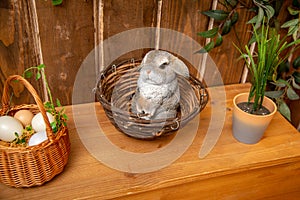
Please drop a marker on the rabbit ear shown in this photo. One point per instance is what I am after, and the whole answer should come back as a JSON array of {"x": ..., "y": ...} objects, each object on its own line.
[
  {"x": 179, "y": 67},
  {"x": 146, "y": 56}
]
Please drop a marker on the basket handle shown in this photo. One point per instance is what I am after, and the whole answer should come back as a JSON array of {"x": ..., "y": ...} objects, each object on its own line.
[{"x": 6, "y": 99}]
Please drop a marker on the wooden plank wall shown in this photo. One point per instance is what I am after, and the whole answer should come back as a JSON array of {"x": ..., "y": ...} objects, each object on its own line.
[{"x": 68, "y": 34}]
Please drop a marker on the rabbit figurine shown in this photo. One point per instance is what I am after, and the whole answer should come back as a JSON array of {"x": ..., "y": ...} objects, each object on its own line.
[{"x": 157, "y": 94}]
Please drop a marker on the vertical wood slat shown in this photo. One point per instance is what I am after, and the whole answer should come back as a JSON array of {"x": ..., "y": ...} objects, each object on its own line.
[
  {"x": 210, "y": 26},
  {"x": 20, "y": 52},
  {"x": 183, "y": 16},
  {"x": 157, "y": 33},
  {"x": 98, "y": 15},
  {"x": 33, "y": 18},
  {"x": 67, "y": 35},
  {"x": 122, "y": 15}
]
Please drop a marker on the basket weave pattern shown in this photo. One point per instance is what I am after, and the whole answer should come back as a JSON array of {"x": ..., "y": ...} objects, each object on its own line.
[
  {"x": 32, "y": 165},
  {"x": 115, "y": 88}
]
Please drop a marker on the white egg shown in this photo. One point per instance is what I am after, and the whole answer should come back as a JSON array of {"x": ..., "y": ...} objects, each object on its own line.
[
  {"x": 38, "y": 123},
  {"x": 37, "y": 138},
  {"x": 8, "y": 127}
]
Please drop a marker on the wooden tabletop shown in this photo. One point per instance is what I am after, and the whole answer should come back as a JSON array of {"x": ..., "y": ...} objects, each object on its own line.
[{"x": 231, "y": 170}]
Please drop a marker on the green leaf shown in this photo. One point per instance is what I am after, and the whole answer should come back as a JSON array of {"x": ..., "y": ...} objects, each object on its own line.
[
  {"x": 54, "y": 126},
  {"x": 218, "y": 15},
  {"x": 292, "y": 30},
  {"x": 210, "y": 33},
  {"x": 296, "y": 75},
  {"x": 296, "y": 63},
  {"x": 295, "y": 85},
  {"x": 280, "y": 83},
  {"x": 41, "y": 66},
  {"x": 47, "y": 105},
  {"x": 292, "y": 11},
  {"x": 234, "y": 18},
  {"x": 253, "y": 20},
  {"x": 269, "y": 11},
  {"x": 28, "y": 128},
  {"x": 207, "y": 47},
  {"x": 38, "y": 75},
  {"x": 232, "y": 3},
  {"x": 58, "y": 103},
  {"x": 252, "y": 40},
  {"x": 28, "y": 74},
  {"x": 219, "y": 40},
  {"x": 56, "y": 2},
  {"x": 284, "y": 110},
  {"x": 274, "y": 94},
  {"x": 65, "y": 116},
  {"x": 226, "y": 27},
  {"x": 260, "y": 17},
  {"x": 290, "y": 23},
  {"x": 292, "y": 95},
  {"x": 295, "y": 35}
]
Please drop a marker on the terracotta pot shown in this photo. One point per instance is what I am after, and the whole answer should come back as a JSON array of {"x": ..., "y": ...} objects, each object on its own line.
[{"x": 249, "y": 128}]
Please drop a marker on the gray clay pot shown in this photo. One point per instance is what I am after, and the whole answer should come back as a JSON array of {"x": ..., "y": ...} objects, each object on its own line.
[{"x": 249, "y": 128}]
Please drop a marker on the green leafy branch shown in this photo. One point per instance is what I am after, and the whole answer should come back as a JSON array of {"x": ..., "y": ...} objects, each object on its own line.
[
  {"x": 228, "y": 17},
  {"x": 60, "y": 116},
  {"x": 264, "y": 9},
  {"x": 293, "y": 25},
  {"x": 288, "y": 75},
  {"x": 285, "y": 87},
  {"x": 28, "y": 73}
]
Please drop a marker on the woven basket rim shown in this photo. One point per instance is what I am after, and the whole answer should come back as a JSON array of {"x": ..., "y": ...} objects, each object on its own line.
[
  {"x": 112, "y": 72},
  {"x": 104, "y": 100}
]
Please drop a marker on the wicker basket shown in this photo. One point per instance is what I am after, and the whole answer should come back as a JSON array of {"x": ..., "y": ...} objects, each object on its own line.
[
  {"x": 33, "y": 165},
  {"x": 118, "y": 82}
]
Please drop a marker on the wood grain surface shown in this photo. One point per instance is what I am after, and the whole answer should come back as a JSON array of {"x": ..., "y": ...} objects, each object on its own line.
[{"x": 232, "y": 170}]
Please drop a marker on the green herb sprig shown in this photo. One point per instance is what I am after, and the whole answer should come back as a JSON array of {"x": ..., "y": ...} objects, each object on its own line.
[{"x": 60, "y": 116}]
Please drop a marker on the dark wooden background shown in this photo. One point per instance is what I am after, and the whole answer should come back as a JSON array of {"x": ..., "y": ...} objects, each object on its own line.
[{"x": 67, "y": 35}]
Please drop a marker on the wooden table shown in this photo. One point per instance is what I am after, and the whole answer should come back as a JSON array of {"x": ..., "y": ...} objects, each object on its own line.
[{"x": 267, "y": 170}]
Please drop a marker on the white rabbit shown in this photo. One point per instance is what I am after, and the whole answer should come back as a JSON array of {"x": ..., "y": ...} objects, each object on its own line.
[{"x": 157, "y": 94}]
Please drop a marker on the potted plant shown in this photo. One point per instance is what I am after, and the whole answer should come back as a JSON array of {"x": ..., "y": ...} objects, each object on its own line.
[
  {"x": 282, "y": 89},
  {"x": 253, "y": 111}
]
